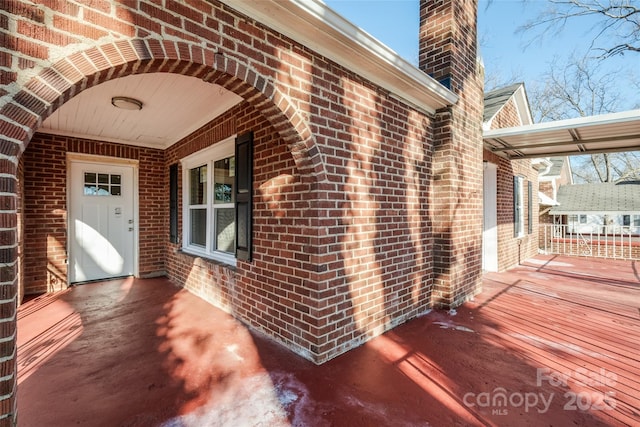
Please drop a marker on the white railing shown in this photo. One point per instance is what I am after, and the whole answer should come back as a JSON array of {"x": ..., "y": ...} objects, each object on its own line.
[{"x": 607, "y": 242}]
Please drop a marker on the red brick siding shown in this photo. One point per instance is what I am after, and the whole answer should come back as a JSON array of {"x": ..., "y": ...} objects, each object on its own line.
[
  {"x": 512, "y": 250},
  {"x": 546, "y": 187},
  {"x": 45, "y": 213},
  {"x": 448, "y": 52},
  {"x": 344, "y": 240},
  {"x": 377, "y": 210},
  {"x": 375, "y": 241},
  {"x": 507, "y": 116}
]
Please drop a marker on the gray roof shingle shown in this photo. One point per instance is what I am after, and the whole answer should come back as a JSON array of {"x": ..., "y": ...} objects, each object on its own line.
[
  {"x": 495, "y": 99},
  {"x": 601, "y": 197}
]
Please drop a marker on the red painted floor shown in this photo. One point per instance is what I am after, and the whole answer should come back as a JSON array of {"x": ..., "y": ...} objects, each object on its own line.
[{"x": 553, "y": 342}]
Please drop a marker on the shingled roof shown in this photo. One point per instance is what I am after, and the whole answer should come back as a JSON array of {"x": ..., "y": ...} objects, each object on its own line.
[
  {"x": 495, "y": 99},
  {"x": 606, "y": 197}
]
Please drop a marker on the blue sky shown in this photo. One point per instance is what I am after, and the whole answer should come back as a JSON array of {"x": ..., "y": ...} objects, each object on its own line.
[{"x": 507, "y": 54}]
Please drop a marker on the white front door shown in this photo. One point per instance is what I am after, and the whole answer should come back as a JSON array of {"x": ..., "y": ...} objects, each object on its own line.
[
  {"x": 490, "y": 218},
  {"x": 101, "y": 221}
]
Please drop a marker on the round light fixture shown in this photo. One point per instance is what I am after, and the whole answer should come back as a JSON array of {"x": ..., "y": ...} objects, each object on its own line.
[{"x": 126, "y": 103}]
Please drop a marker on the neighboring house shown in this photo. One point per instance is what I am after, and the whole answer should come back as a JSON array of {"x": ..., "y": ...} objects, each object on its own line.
[
  {"x": 556, "y": 174},
  {"x": 510, "y": 186},
  {"x": 601, "y": 208},
  {"x": 268, "y": 156}
]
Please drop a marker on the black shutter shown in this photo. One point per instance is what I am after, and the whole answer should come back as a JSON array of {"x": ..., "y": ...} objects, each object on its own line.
[
  {"x": 244, "y": 193},
  {"x": 173, "y": 203},
  {"x": 530, "y": 206},
  {"x": 516, "y": 206}
]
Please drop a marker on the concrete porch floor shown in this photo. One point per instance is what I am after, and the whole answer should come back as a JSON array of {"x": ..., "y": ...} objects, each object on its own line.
[{"x": 555, "y": 341}]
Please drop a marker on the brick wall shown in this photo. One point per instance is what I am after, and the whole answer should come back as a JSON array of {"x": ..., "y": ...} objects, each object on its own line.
[
  {"x": 330, "y": 268},
  {"x": 546, "y": 187},
  {"x": 45, "y": 215},
  {"x": 448, "y": 52},
  {"x": 512, "y": 250},
  {"x": 351, "y": 184},
  {"x": 45, "y": 207}
]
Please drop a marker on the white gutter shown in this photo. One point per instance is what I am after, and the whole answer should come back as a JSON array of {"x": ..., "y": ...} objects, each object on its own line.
[{"x": 315, "y": 25}]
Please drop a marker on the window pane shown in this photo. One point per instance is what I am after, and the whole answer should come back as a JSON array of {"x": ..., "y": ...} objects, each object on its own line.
[
  {"x": 115, "y": 190},
  {"x": 198, "y": 234},
  {"x": 90, "y": 190},
  {"x": 116, "y": 179},
  {"x": 636, "y": 220},
  {"x": 224, "y": 172},
  {"x": 103, "y": 190},
  {"x": 198, "y": 185},
  {"x": 103, "y": 178},
  {"x": 626, "y": 220},
  {"x": 225, "y": 230},
  {"x": 90, "y": 178}
]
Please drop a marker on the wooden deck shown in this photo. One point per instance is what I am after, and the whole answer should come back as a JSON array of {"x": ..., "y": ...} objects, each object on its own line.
[{"x": 555, "y": 341}]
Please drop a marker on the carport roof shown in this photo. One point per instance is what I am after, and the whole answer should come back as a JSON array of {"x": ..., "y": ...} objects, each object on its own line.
[{"x": 594, "y": 134}]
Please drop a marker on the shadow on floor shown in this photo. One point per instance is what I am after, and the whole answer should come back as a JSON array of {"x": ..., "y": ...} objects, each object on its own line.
[{"x": 536, "y": 347}]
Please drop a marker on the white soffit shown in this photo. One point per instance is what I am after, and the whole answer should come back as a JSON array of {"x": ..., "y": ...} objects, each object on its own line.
[
  {"x": 315, "y": 25},
  {"x": 606, "y": 133},
  {"x": 173, "y": 106}
]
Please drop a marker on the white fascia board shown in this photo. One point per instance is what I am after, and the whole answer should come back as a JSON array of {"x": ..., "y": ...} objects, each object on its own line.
[
  {"x": 580, "y": 122},
  {"x": 522, "y": 103},
  {"x": 315, "y": 25}
]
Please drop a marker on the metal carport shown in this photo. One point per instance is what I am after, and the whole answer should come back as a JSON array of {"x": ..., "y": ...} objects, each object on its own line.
[{"x": 615, "y": 132}]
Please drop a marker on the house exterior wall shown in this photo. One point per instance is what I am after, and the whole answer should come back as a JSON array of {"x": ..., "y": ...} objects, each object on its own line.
[
  {"x": 351, "y": 236},
  {"x": 45, "y": 207},
  {"x": 448, "y": 52},
  {"x": 550, "y": 185},
  {"x": 594, "y": 223},
  {"x": 511, "y": 249},
  {"x": 548, "y": 188}
]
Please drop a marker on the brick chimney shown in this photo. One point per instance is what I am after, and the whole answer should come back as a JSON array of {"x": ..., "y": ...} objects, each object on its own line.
[{"x": 448, "y": 53}]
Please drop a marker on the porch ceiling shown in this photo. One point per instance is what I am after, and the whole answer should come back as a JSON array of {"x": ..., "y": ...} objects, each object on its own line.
[
  {"x": 596, "y": 134},
  {"x": 173, "y": 106}
]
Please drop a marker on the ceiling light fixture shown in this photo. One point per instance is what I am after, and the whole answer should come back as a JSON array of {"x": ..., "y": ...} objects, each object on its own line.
[{"x": 126, "y": 103}]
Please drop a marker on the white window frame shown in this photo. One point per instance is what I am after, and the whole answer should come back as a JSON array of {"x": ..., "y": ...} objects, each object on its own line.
[{"x": 208, "y": 157}]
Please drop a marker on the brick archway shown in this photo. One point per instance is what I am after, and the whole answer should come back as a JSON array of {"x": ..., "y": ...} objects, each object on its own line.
[
  {"x": 55, "y": 85},
  {"x": 41, "y": 95}
]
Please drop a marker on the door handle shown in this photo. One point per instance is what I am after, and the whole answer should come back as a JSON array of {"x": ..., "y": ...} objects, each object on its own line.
[{"x": 130, "y": 228}]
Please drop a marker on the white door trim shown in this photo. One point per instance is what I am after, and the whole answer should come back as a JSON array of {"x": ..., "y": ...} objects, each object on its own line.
[
  {"x": 106, "y": 160},
  {"x": 489, "y": 217}
]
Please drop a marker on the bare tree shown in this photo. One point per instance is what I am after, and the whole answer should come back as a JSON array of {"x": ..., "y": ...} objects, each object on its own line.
[
  {"x": 579, "y": 88},
  {"x": 616, "y": 23},
  {"x": 576, "y": 87}
]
